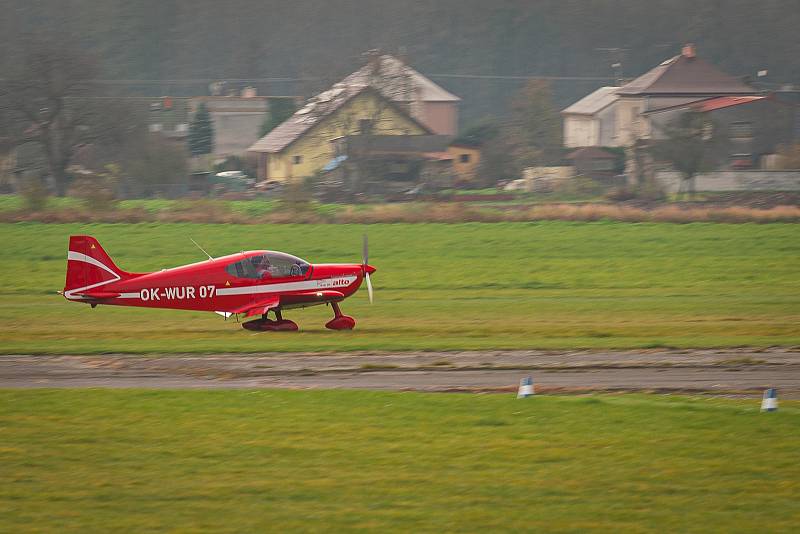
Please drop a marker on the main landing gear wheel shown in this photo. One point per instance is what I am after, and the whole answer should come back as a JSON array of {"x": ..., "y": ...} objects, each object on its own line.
[
  {"x": 340, "y": 321},
  {"x": 268, "y": 325}
]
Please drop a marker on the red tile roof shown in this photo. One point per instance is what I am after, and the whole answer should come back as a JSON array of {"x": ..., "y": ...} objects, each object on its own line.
[{"x": 725, "y": 102}]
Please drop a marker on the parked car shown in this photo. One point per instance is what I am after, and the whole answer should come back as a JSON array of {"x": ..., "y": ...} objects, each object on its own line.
[{"x": 232, "y": 182}]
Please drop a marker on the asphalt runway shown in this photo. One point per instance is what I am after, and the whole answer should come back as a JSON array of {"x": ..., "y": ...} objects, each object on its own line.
[{"x": 723, "y": 372}]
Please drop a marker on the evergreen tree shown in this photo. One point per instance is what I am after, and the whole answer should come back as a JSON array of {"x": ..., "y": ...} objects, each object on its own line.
[
  {"x": 201, "y": 132},
  {"x": 535, "y": 126},
  {"x": 280, "y": 109}
]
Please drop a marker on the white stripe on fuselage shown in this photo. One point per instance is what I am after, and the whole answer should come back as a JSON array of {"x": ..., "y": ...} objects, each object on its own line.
[
  {"x": 340, "y": 282},
  {"x": 325, "y": 283}
]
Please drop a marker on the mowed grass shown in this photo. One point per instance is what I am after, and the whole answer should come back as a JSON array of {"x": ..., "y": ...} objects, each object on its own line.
[
  {"x": 438, "y": 287},
  {"x": 285, "y": 461}
]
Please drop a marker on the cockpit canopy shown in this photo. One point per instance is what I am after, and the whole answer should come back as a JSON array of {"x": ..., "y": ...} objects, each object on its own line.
[{"x": 268, "y": 265}]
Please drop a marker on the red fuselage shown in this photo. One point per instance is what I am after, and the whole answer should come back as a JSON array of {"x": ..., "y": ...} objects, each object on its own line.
[
  {"x": 208, "y": 286},
  {"x": 249, "y": 283},
  {"x": 239, "y": 283}
]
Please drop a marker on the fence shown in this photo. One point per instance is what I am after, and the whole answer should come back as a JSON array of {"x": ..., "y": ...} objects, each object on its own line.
[{"x": 720, "y": 181}]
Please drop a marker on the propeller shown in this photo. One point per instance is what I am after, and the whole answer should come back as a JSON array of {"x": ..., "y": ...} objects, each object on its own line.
[{"x": 364, "y": 265}]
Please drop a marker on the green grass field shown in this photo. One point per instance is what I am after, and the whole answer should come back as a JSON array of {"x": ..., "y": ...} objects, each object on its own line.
[
  {"x": 283, "y": 461},
  {"x": 438, "y": 286}
]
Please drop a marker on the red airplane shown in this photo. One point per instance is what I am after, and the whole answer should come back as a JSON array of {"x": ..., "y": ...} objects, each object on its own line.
[{"x": 249, "y": 283}]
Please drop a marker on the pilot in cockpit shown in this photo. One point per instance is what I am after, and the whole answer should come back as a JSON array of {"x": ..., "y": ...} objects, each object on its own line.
[{"x": 262, "y": 267}]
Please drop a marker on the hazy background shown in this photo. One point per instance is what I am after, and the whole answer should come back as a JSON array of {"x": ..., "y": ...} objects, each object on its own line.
[{"x": 314, "y": 42}]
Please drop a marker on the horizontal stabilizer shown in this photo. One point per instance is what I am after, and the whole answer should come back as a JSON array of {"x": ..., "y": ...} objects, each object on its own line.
[{"x": 98, "y": 294}]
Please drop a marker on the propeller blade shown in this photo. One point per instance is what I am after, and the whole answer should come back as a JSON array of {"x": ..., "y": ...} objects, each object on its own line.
[
  {"x": 369, "y": 288},
  {"x": 365, "y": 251}
]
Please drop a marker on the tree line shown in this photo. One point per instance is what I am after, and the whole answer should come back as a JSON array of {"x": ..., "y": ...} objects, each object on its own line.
[{"x": 324, "y": 39}]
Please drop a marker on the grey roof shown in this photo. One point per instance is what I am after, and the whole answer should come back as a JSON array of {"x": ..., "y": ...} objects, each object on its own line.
[
  {"x": 594, "y": 102},
  {"x": 393, "y": 79},
  {"x": 682, "y": 75},
  {"x": 397, "y": 81},
  {"x": 315, "y": 109}
]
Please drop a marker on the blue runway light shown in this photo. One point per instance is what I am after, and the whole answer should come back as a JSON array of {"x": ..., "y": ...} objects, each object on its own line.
[
  {"x": 770, "y": 401},
  {"x": 525, "y": 387}
]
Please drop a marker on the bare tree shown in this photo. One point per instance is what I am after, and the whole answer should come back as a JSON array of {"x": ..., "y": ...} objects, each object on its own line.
[
  {"x": 48, "y": 100},
  {"x": 687, "y": 144}
]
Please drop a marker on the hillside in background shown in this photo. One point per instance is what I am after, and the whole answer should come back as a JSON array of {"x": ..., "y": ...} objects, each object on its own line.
[{"x": 315, "y": 42}]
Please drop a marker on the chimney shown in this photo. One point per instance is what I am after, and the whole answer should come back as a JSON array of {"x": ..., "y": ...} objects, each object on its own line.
[
  {"x": 374, "y": 59},
  {"x": 689, "y": 51}
]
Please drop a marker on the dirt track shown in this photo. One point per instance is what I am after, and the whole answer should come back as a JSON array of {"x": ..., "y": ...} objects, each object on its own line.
[{"x": 731, "y": 371}]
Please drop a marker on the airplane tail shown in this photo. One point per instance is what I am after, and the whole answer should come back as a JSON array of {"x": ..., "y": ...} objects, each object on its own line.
[{"x": 89, "y": 268}]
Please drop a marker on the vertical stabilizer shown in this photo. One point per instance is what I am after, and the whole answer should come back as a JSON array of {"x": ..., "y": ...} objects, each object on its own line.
[{"x": 88, "y": 267}]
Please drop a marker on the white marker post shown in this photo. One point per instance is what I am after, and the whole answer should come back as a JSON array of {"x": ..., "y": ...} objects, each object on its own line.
[
  {"x": 770, "y": 401},
  {"x": 525, "y": 387}
]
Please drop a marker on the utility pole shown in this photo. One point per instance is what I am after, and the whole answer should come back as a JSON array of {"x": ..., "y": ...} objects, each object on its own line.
[{"x": 616, "y": 55}]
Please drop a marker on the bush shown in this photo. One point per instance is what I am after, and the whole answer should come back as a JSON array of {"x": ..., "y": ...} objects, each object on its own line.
[
  {"x": 97, "y": 192},
  {"x": 35, "y": 194},
  {"x": 621, "y": 194},
  {"x": 649, "y": 192},
  {"x": 578, "y": 186},
  {"x": 296, "y": 195}
]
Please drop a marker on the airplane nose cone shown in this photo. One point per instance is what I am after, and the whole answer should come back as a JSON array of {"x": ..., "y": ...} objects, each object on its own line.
[{"x": 369, "y": 269}]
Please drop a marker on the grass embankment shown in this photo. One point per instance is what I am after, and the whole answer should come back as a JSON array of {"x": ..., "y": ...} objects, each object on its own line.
[
  {"x": 280, "y": 461},
  {"x": 438, "y": 287},
  {"x": 69, "y": 210}
]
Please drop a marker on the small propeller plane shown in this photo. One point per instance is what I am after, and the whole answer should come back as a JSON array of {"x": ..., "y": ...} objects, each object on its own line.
[{"x": 248, "y": 284}]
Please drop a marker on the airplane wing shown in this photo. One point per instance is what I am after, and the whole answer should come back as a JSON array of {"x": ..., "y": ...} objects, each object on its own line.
[
  {"x": 262, "y": 306},
  {"x": 310, "y": 297},
  {"x": 259, "y": 307}
]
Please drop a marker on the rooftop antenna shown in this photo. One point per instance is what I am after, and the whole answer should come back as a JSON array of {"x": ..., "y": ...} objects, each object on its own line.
[{"x": 201, "y": 248}]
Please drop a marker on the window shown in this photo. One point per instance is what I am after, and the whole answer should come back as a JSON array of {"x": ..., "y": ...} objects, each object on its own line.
[
  {"x": 463, "y": 158},
  {"x": 601, "y": 164},
  {"x": 297, "y": 160},
  {"x": 269, "y": 265},
  {"x": 365, "y": 126},
  {"x": 741, "y": 161},
  {"x": 282, "y": 265},
  {"x": 635, "y": 120},
  {"x": 740, "y": 130}
]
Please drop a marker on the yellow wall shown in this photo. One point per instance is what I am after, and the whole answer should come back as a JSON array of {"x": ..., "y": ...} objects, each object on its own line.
[
  {"x": 466, "y": 171},
  {"x": 315, "y": 145}
]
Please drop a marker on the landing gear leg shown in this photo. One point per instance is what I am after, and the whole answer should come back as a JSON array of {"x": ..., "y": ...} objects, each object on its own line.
[
  {"x": 340, "y": 321},
  {"x": 265, "y": 324}
]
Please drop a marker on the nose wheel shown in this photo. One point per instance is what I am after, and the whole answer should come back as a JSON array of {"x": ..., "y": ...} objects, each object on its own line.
[
  {"x": 340, "y": 321},
  {"x": 265, "y": 324}
]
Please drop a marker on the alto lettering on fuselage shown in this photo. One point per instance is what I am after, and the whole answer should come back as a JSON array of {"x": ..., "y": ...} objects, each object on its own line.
[{"x": 335, "y": 282}]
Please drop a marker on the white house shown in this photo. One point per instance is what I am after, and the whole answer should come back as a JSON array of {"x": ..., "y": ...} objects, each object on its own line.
[
  {"x": 619, "y": 116},
  {"x": 591, "y": 120}
]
